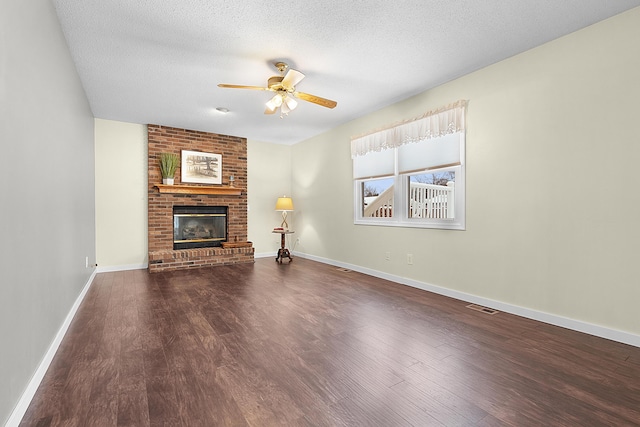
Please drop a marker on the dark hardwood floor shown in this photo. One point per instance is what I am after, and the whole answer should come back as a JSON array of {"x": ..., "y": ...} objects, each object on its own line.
[{"x": 304, "y": 344}]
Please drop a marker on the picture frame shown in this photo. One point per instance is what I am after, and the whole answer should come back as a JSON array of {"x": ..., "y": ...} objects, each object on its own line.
[{"x": 201, "y": 168}]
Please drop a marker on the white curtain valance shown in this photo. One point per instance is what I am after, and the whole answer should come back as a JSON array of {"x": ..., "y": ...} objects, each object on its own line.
[{"x": 440, "y": 122}]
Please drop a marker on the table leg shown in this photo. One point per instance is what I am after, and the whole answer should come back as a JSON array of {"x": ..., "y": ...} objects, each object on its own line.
[{"x": 283, "y": 252}]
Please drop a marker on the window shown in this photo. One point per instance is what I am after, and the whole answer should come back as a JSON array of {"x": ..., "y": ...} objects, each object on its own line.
[
  {"x": 377, "y": 197},
  {"x": 432, "y": 195},
  {"x": 412, "y": 175}
]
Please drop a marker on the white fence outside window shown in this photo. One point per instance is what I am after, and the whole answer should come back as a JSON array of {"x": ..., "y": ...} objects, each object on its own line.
[{"x": 425, "y": 201}]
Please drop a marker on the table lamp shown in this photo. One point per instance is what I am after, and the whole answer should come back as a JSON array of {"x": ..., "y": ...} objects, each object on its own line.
[{"x": 284, "y": 204}]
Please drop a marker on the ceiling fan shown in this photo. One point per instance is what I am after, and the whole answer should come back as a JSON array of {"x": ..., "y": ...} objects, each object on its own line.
[{"x": 284, "y": 87}]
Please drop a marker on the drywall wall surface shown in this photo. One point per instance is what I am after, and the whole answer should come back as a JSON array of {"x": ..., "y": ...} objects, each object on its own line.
[
  {"x": 47, "y": 220},
  {"x": 121, "y": 194},
  {"x": 269, "y": 177},
  {"x": 552, "y": 200},
  {"x": 121, "y": 205}
]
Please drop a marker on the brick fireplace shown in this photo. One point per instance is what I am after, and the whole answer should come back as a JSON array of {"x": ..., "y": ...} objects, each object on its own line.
[{"x": 162, "y": 199}]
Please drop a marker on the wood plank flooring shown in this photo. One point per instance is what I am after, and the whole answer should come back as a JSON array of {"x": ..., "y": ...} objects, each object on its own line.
[{"x": 304, "y": 344}]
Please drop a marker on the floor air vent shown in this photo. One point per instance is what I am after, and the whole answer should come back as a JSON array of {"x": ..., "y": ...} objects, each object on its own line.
[
  {"x": 482, "y": 309},
  {"x": 344, "y": 270}
]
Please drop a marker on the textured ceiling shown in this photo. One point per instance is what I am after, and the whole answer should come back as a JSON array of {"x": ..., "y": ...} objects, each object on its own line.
[{"x": 159, "y": 61}]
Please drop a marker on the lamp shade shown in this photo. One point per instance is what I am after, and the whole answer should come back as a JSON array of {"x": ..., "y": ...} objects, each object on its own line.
[{"x": 284, "y": 204}]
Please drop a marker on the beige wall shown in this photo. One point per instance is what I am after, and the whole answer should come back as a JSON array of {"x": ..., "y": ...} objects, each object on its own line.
[
  {"x": 47, "y": 194},
  {"x": 121, "y": 195},
  {"x": 269, "y": 177},
  {"x": 552, "y": 199}
]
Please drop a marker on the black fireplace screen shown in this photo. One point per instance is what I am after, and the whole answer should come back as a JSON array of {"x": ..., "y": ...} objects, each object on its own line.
[{"x": 199, "y": 226}]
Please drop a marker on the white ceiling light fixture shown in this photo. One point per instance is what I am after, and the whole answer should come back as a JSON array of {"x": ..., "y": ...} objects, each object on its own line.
[
  {"x": 291, "y": 103},
  {"x": 275, "y": 102},
  {"x": 283, "y": 101},
  {"x": 284, "y": 86}
]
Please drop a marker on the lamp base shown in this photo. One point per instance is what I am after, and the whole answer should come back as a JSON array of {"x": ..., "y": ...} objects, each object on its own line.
[{"x": 284, "y": 224}]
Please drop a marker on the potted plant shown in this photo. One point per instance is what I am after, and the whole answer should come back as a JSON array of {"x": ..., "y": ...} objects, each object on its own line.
[{"x": 168, "y": 164}]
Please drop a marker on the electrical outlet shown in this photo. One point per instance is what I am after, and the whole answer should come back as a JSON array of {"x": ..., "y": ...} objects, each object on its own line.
[
  {"x": 410, "y": 259},
  {"x": 387, "y": 256},
  {"x": 298, "y": 241},
  {"x": 86, "y": 262}
]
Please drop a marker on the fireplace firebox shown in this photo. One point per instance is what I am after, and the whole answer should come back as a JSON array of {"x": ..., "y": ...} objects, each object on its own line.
[{"x": 199, "y": 226}]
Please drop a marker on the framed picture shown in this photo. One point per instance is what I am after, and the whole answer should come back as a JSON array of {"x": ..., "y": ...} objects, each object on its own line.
[{"x": 201, "y": 168}]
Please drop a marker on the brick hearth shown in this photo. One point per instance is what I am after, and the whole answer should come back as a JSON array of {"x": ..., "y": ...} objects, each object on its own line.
[{"x": 233, "y": 149}]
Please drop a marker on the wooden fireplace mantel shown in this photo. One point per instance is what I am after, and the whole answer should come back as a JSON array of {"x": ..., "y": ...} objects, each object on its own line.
[{"x": 198, "y": 189}]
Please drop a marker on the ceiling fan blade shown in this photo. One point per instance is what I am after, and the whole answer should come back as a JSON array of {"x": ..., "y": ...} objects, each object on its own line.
[
  {"x": 315, "y": 99},
  {"x": 243, "y": 87},
  {"x": 292, "y": 78}
]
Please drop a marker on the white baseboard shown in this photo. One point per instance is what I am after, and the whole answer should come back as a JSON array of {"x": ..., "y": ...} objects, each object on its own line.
[
  {"x": 36, "y": 379},
  {"x": 576, "y": 325},
  {"x": 266, "y": 255},
  {"x": 124, "y": 267}
]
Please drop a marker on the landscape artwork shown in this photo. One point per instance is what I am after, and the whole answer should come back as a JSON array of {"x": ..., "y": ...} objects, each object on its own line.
[{"x": 201, "y": 168}]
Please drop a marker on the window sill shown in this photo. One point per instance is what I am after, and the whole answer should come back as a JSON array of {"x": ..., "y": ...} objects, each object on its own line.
[{"x": 442, "y": 224}]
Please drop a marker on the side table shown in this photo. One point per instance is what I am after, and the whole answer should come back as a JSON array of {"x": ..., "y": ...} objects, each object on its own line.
[{"x": 283, "y": 252}]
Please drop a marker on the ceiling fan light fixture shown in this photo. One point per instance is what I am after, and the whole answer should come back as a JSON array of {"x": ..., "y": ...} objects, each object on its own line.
[
  {"x": 274, "y": 102},
  {"x": 271, "y": 105},
  {"x": 291, "y": 103}
]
